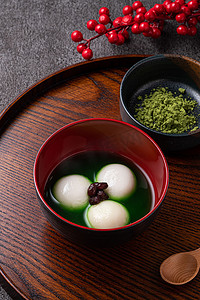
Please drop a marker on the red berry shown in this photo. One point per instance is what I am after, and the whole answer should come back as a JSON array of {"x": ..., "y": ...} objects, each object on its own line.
[
  {"x": 166, "y": 2},
  {"x": 149, "y": 33},
  {"x": 81, "y": 47},
  {"x": 139, "y": 18},
  {"x": 76, "y": 36},
  {"x": 180, "y": 2},
  {"x": 136, "y": 5},
  {"x": 168, "y": 7},
  {"x": 175, "y": 7},
  {"x": 150, "y": 15},
  {"x": 110, "y": 32},
  {"x": 127, "y": 10},
  {"x": 135, "y": 28},
  {"x": 193, "y": 21},
  {"x": 91, "y": 24},
  {"x": 121, "y": 39},
  {"x": 125, "y": 33},
  {"x": 180, "y": 18},
  {"x": 104, "y": 19},
  {"x": 127, "y": 20},
  {"x": 117, "y": 22},
  {"x": 193, "y": 5},
  {"x": 144, "y": 27},
  {"x": 159, "y": 8},
  {"x": 141, "y": 10},
  {"x": 185, "y": 9},
  {"x": 104, "y": 10},
  {"x": 87, "y": 54},
  {"x": 113, "y": 37},
  {"x": 192, "y": 30},
  {"x": 156, "y": 33},
  {"x": 100, "y": 29},
  {"x": 182, "y": 30}
]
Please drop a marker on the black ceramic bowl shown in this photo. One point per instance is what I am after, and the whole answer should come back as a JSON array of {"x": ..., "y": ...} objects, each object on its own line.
[
  {"x": 101, "y": 135},
  {"x": 172, "y": 71}
]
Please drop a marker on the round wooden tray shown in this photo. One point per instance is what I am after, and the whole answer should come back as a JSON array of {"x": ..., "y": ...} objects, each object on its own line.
[{"x": 35, "y": 260}]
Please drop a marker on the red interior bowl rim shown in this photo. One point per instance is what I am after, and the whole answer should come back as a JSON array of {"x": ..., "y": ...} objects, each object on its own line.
[{"x": 109, "y": 120}]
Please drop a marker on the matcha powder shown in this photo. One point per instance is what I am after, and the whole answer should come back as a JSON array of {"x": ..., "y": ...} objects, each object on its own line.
[{"x": 167, "y": 112}]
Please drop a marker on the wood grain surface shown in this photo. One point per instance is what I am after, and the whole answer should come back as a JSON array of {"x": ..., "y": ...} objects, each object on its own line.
[{"x": 35, "y": 260}]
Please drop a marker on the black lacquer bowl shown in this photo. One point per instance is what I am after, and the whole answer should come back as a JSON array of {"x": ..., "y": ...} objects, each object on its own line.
[{"x": 172, "y": 71}]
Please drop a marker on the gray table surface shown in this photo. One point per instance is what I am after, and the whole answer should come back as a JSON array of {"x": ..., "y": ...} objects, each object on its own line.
[{"x": 35, "y": 41}]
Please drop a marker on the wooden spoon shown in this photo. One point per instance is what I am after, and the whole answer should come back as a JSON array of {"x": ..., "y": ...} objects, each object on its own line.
[{"x": 180, "y": 268}]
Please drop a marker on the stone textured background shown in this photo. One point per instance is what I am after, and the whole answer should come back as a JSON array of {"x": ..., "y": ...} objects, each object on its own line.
[{"x": 35, "y": 41}]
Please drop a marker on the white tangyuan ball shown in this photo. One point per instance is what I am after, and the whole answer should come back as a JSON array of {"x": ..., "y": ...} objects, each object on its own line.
[
  {"x": 107, "y": 214},
  {"x": 71, "y": 191},
  {"x": 120, "y": 179}
]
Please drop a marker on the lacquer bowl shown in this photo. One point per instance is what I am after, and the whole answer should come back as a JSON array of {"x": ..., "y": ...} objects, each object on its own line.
[{"x": 101, "y": 135}]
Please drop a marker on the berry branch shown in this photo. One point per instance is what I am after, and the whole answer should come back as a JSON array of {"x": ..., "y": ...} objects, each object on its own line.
[{"x": 140, "y": 21}]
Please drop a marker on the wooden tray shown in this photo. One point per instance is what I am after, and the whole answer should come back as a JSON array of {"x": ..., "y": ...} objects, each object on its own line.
[{"x": 36, "y": 261}]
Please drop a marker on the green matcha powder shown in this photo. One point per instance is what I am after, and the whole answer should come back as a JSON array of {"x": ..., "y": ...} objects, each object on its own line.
[{"x": 165, "y": 111}]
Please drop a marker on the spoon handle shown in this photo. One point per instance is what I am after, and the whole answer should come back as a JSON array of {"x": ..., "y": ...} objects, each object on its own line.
[{"x": 196, "y": 254}]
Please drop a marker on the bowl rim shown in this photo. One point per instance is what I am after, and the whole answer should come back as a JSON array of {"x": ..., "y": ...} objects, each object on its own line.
[
  {"x": 146, "y": 216},
  {"x": 137, "y": 65}
]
